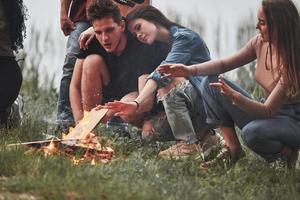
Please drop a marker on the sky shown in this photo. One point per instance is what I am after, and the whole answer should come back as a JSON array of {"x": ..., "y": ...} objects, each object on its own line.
[{"x": 44, "y": 17}]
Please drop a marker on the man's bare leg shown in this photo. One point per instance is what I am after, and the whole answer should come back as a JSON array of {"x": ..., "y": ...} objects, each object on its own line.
[{"x": 94, "y": 77}]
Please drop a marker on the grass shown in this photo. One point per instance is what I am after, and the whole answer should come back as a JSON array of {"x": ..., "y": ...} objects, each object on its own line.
[{"x": 135, "y": 173}]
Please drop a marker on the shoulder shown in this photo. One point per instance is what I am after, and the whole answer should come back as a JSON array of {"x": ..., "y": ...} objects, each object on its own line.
[
  {"x": 185, "y": 35},
  {"x": 257, "y": 45},
  {"x": 256, "y": 41}
]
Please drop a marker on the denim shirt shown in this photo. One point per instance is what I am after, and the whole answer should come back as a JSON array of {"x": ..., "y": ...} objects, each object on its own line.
[{"x": 188, "y": 48}]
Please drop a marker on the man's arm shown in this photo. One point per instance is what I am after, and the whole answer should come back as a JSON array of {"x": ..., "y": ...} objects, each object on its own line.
[
  {"x": 75, "y": 91},
  {"x": 65, "y": 23}
]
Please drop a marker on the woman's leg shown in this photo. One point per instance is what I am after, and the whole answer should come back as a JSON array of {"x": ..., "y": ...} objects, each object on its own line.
[
  {"x": 231, "y": 141},
  {"x": 221, "y": 112},
  {"x": 178, "y": 106},
  {"x": 271, "y": 138}
]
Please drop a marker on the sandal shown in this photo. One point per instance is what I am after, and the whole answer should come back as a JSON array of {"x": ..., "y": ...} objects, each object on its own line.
[{"x": 224, "y": 158}]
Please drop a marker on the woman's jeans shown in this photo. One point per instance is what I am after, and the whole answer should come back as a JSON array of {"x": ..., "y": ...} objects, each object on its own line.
[
  {"x": 64, "y": 111},
  {"x": 185, "y": 112},
  {"x": 265, "y": 137}
]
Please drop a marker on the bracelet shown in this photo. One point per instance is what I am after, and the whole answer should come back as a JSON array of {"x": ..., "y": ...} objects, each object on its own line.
[
  {"x": 137, "y": 104},
  {"x": 194, "y": 70}
]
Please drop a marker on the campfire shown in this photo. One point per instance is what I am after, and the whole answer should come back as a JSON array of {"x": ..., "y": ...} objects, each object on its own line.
[{"x": 80, "y": 145}]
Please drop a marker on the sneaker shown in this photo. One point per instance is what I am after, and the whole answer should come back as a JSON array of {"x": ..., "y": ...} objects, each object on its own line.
[
  {"x": 208, "y": 145},
  {"x": 15, "y": 113},
  {"x": 223, "y": 158},
  {"x": 180, "y": 150}
]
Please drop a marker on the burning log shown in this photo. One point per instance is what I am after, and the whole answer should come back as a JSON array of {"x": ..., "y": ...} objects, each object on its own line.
[{"x": 79, "y": 138}]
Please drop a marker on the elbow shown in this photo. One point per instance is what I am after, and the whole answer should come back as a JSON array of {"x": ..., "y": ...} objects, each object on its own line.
[{"x": 269, "y": 113}]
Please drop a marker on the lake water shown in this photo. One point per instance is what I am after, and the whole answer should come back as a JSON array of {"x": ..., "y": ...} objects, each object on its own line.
[{"x": 212, "y": 15}]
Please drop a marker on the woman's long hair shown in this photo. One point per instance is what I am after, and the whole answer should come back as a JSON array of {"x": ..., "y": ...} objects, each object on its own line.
[
  {"x": 16, "y": 15},
  {"x": 283, "y": 23},
  {"x": 152, "y": 14}
]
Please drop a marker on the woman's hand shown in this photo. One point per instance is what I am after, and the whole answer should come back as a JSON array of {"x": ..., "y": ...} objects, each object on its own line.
[
  {"x": 225, "y": 89},
  {"x": 175, "y": 70},
  {"x": 122, "y": 108},
  {"x": 86, "y": 37}
]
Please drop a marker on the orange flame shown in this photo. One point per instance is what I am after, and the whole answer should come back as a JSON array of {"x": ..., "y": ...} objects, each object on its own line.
[
  {"x": 50, "y": 149},
  {"x": 93, "y": 162}
]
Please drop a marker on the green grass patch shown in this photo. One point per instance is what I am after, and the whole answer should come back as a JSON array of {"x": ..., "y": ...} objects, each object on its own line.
[{"x": 135, "y": 173}]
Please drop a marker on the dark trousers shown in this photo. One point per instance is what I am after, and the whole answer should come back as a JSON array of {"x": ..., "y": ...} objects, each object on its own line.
[
  {"x": 265, "y": 137},
  {"x": 10, "y": 84}
]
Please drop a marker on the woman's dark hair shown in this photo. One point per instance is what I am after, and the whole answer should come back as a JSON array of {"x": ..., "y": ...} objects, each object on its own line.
[
  {"x": 283, "y": 24},
  {"x": 151, "y": 14},
  {"x": 16, "y": 15},
  {"x": 100, "y": 9}
]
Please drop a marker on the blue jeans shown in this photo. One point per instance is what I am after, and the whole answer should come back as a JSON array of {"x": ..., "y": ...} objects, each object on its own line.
[
  {"x": 64, "y": 110},
  {"x": 265, "y": 137},
  {"x": 185, "y": 112}
]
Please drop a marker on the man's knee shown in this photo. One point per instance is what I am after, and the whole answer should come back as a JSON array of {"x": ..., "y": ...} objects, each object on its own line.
[
  {"x": 95, "y": 65},
  {"x": 143, "y": 79}
]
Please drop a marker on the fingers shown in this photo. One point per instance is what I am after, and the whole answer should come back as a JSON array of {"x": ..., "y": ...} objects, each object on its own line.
[
  {"x": 82, "y": 41},
  {"x": 86, "y": 37},
  {"x": 164, "y": 69},
  {"x": 221, "y": 79},
  {"x": 68, "y": 27},
  {"x": 165, "y": 75},
  {"x": 220, "y": 86},
  {"x": 99, "y": 107},
  {"x": 89, "y": 41},
  {"x": 119, "y": 114},
  {"x": 66, "y": 31}
]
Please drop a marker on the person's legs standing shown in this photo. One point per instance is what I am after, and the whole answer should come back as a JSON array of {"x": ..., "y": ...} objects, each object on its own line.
[
  {"x": 64, "y": 111},
  {"x": 10, "y": 84}
]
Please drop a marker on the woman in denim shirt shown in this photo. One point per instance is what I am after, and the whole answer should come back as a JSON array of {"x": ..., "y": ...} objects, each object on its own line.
[{"x": 181, "y": 97}]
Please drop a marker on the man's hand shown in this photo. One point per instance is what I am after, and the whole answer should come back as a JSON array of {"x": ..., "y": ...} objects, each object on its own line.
[
  {"x": 67, "y": 26},
  {"x": 86, "y": 37},
  {"x": 174, "y": 70}
]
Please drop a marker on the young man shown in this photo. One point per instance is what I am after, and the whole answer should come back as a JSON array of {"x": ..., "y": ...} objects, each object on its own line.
[
  {"x": 73, "y": 22},
  {"x": 110, "y": 68}
]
